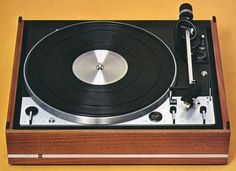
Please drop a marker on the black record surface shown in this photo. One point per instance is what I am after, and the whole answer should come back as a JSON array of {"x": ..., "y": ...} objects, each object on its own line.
[{"x": 49, "y": 77}]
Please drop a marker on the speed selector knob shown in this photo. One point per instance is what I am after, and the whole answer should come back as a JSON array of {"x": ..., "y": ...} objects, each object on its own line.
[{"x": 31, "y": 112}]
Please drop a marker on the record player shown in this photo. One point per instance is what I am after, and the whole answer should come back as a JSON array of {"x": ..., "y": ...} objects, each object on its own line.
[{"x": 118, "y": 92}]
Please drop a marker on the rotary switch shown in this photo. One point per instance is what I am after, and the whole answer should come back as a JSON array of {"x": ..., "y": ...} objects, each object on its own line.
[{"x": 31, "y": 112}]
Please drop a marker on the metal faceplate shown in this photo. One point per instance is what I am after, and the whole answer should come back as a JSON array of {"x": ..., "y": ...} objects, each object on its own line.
[{"x": 183, "y": 116}]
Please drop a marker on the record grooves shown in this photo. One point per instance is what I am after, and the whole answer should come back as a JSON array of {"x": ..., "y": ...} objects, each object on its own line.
[{"x": 130, "y": 97}]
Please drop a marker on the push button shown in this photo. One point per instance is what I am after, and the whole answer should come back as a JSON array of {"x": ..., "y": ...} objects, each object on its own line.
[{"x": 155, "y": 116}]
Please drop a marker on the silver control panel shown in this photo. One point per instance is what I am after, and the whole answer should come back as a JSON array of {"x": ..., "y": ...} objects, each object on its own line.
[{"x": 201, "y": 113}]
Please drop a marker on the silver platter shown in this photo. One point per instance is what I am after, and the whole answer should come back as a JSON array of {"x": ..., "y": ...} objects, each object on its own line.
[{"x": 100, "y": 67}]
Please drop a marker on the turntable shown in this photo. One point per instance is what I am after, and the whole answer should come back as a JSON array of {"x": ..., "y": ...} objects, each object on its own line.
[{"x": 118, "y": 92}]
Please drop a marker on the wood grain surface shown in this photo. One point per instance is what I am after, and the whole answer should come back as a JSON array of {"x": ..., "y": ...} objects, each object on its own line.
[
  {"x": 117, "y": 141},
  {"x": 121, "y": 161},
  {"x": 219, "y": 73},
  {"x": 14, "y": 78}
]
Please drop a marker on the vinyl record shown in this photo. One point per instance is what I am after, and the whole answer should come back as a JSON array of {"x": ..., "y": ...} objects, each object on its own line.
[{"x": 99, "y": 72}]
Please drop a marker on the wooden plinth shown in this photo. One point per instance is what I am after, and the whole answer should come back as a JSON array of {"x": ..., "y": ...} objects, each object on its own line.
[{"x": 114, "y": 146}]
